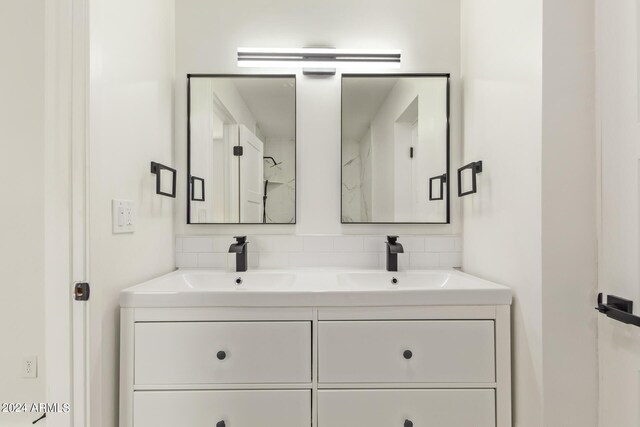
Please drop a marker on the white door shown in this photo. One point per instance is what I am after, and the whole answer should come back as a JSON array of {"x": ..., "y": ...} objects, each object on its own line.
[
  {"x": 619, "y": 255},
  {"x": 419, "y": 175},
  {"x": 251, "y": 177}
]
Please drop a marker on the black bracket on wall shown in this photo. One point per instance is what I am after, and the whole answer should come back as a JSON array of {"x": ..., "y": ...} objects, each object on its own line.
[
  {"x": 238, "y": 150},
  {"x": 443, "y": 180},
  {"x": 156, "y": 169},
  {"x": 195, "y": 179},
  {"x": 619, "y": 309},
  {"x": 476, "y": 168}
]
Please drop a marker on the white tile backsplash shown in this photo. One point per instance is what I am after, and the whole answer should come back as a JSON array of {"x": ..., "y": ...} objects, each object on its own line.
[
  {"x": 277, "y": 243},
  {"x": 186, "y": 260},
  {"x": 272, "y": 259},
  {"x": 450, "y": 259},
  {"x": 422, "y": 260},
  {"x": 212, "y": 260},
  {"x": 197, "y": 244},
  {"x": 318, "y": 244},
  {"x": 374, "y": 243},
  {"x": 411, "y": 243},
  {"x": 284, "y": 251},
  {"x": 221, "y": 244},
  {"x": 440, "y": 244},
  {"x": 349, "y": 243}
]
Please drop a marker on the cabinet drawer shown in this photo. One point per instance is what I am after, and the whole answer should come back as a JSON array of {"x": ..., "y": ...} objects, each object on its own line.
[
  {"x": 237, "y": 408},
  {"x": 392, "y": 408},
  {"x": 406, "y": 351},
  {"x": 222, "y": 353}
]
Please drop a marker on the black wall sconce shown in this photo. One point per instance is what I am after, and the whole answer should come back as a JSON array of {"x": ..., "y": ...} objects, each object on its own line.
[
  {"x": 442, "y": 179},
  {"x": 195, "y": 180},
  {"x": 157, "y": 168},
  {"x": 476, "y": 168},
  {"x": 619, "y": 309}
]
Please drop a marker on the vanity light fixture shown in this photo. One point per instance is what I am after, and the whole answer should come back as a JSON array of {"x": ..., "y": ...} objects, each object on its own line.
[{"x": 318, "y": 61}]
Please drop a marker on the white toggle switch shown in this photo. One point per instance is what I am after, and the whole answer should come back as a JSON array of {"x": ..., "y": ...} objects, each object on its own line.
[
  {"x": 120, "y": 215},
  {"x": 123, "y": 216}
]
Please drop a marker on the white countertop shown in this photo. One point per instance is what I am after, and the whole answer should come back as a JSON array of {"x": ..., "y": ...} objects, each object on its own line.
[{"x": 314, "y": 288}]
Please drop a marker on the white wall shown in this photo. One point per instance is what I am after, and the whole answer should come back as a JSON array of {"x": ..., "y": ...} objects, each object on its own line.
[
  {"x": 529, "y": 115},
  {"x": 208, "y": 34},
  {"x": 502, "y": 78},
  {"x": 22, "y": 192},
  {"x": 131, "y": 124}
]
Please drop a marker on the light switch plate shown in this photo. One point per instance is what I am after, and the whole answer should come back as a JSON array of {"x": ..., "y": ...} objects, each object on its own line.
[{"x": 123, "y": 216}]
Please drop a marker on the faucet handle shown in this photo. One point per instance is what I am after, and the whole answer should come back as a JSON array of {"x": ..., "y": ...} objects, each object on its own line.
[
  {"x": 240, "y": 239},
  {"x": 392, "y": 239}
]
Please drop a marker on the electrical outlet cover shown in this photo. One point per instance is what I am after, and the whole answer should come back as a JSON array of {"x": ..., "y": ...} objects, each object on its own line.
[
  {"x": 123, "y": 216},
  {"x": 30, "y": 367}
]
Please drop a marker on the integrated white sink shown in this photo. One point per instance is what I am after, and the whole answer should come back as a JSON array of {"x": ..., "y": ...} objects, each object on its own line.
[
  {"x": 247, "y": 281},
  {"x": 314, "y": 288},
  {"x": 395, "y": 281}
]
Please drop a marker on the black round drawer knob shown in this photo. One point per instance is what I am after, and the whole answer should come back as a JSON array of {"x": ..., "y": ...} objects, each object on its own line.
[
  {"x": 220, "y": 424},
  {"x": 407, "y": 355},
  {"x": 408, "y": 423},
  {"x": 221, "y": 356}
]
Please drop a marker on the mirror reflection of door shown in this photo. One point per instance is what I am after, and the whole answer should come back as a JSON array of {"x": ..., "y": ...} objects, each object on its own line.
[
  {"x": 251, "y": 177},
  {"x": 394, "y": 140},
  {"x": 254, "y": 183}
]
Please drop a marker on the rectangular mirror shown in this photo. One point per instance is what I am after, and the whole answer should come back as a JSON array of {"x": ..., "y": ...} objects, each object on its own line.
[
  {"x": 395, "y": 148},
  {"x": 241, "y": 149}
]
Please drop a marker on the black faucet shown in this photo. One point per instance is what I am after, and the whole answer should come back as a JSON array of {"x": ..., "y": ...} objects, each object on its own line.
[
  {"x": 393, "y": 249},
  {"x": 240, "y": 249}
]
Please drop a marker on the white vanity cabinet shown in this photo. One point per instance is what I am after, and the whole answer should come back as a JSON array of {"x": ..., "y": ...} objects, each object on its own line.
[
  {"x": 315, "y": 348},
  {"x": 404, "y": 366}
]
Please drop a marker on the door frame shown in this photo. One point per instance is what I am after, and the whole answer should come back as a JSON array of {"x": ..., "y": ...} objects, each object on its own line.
[{"x": 66, "y": 208}]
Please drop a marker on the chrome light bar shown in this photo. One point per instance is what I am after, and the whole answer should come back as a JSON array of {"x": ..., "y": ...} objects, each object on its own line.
[{"x": 318, "y": 58}]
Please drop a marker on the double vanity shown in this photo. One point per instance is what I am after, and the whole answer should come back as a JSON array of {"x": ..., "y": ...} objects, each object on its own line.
[{"x": 322, "y": 348}]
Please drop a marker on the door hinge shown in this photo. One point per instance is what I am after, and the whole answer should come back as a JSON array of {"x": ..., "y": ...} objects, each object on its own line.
[
  {"x": 81, "y": 291},
  {"x": 411, "y": 152},
  {"x": 238, "y": 150}
]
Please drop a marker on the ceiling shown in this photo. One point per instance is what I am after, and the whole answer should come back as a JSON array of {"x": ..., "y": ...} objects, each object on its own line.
[
  {"x": 361, "y": 100},
  {"x": 272, "y": 103}
]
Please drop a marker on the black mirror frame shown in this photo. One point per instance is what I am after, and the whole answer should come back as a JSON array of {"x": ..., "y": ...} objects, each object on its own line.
[
  {"x": 448, "y": 156},
  {"x": 295, "y": 148}
]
